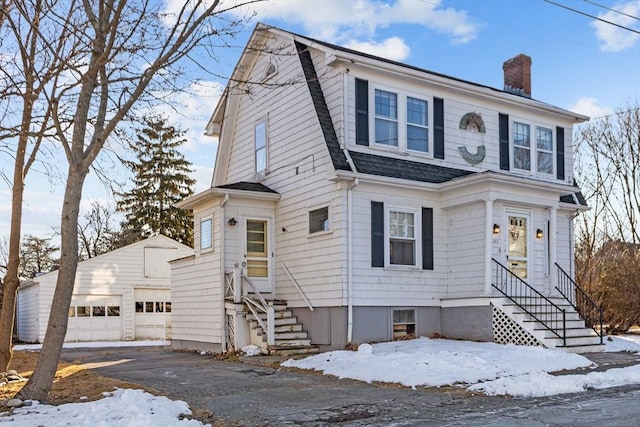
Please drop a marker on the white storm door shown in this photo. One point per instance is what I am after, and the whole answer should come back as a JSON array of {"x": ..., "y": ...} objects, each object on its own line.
[
  {"x": 518, "y": 244},
  {"x": 257, "y": 253}
]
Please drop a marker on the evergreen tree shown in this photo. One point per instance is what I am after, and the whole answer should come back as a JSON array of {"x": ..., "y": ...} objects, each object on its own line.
[
  {"x": 161, "y": 179},
  {"x": 36, "y": 256}
]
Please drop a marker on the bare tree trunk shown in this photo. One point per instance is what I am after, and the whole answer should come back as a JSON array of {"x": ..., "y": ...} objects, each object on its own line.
[
  {"x": 41, "y": 380},
  {"x": 11, "y": 280}
]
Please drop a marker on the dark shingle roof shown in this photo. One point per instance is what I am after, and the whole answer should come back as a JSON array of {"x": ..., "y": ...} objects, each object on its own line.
[
  {"x": 404, "y": 169},
  {"x": 569, "y": 198},
  {"x": 248, "y": 186},
  {"x": 329, "y": 132}
]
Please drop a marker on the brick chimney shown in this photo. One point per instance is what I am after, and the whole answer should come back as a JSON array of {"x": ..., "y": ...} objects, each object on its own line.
[{"x": 517, "y": 75}]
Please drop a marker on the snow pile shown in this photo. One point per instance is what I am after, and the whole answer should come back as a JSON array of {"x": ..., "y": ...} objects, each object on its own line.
[
  {"x": 629, "y": 343},
  {"x": 491, "y": 368},
  {"x": 251, "y": 350},
  {"x": 123, "y": 407},
  {"x": 438, "y": 362}
]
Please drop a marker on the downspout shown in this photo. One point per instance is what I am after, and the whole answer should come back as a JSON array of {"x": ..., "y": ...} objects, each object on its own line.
[
  {"x": 355, "y": 182},
  {"x": 223, "y": 275}
]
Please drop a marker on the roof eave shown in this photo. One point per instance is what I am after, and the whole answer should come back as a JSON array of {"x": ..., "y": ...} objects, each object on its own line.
[{"x": 215, "y": 192}]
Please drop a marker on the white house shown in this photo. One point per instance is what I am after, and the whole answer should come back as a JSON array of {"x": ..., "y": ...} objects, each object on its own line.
[
  {"x": 358, "y": 199},
  {"x": 121, "y": 295}
]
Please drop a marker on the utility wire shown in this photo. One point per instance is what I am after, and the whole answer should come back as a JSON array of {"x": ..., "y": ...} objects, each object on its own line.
[
  {"x": 592, "y": 16},
  {"x": 612, "y": 10}
]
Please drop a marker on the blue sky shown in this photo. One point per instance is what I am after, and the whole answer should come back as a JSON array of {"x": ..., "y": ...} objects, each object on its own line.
[{"x": 579, "y": 63}]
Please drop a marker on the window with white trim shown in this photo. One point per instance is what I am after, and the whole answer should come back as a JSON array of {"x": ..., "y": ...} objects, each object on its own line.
[
  {"x": 260, "y": 139},
  {"x": 544, "y": 150},
  {"x": 386, "y": 118},
  {"x": 319, "y": 220},
  {"x": 206, "y": 233},
  {"x": 417, "y": 125},
  {"x": 538, "y": 158},
  {"x": 521, "y": 146},
  {"x": 400, "y": 121},
  {"x": 402, "y": 230}
]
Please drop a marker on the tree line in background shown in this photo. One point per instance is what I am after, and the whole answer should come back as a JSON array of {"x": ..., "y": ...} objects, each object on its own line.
[
  {"x": 160, "y": 179},
  {"x": 608, "y": 235}
]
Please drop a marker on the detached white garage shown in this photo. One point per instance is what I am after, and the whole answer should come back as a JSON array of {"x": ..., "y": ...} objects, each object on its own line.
[{"x": 122, "y": 295}]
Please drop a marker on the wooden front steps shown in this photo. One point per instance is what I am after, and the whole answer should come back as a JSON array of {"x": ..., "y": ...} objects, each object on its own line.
[{"x": 290, "y": 337}]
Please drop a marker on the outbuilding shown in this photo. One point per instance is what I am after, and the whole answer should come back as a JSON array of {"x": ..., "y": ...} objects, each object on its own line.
[{"x": 121, "y": 295}]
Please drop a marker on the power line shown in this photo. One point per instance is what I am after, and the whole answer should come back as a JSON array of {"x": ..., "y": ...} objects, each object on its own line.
[
  {"x": 612, "y": 10},
  {"x": 592, "y": 16}
]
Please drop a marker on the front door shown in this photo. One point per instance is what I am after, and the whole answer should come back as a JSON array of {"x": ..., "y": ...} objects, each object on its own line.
[
  {"x": 518, "y": 244},
  {"x": 257, "y": 253}
]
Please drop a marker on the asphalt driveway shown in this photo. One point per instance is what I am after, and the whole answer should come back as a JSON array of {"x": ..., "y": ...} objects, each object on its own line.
[{"x": 248, "y": 394}]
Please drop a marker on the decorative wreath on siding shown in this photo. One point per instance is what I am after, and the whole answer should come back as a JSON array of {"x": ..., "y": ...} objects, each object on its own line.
[{"x": 473, "y": 121}]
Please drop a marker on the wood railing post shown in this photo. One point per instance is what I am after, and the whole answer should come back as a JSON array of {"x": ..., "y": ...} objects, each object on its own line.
[{"x": 237, "y": 284}]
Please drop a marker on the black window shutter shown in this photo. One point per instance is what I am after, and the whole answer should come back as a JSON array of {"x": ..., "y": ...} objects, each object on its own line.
[
  {"x": 427, "y": 238},
  {"x": 438, "y": 128},
  {"x": 560, "y": 152},
  {"x": 362, "y": 112},
  {"x": 503, "y": 136},
  {"x": 377, "y": 234}
]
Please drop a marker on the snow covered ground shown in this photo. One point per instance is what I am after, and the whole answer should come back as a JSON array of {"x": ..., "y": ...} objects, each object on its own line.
[
  {"x": 483, "y": 367},
  {"x": 490, "y": 368}
]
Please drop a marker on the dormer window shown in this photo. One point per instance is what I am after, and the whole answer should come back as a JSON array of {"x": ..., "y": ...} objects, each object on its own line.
[
  {"x": 401, "y": 121},
  {"x": 532, "y": 158}
]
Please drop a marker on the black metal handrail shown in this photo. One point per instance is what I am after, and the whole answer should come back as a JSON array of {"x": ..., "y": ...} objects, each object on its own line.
[
  {"x": 588, "y": 309},
  {"x": 532, "y": 302}
]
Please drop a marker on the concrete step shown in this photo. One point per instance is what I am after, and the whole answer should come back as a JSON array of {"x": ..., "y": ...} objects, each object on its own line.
[
  {"x": 293, "y": 342},
  {"x": 593, "y": 348},
  {"x": 571, "y": 332},
  {"x": 296, "y": 327},
  {"x": 287, "y": 351},
  {"x": 291, "y": 335}
]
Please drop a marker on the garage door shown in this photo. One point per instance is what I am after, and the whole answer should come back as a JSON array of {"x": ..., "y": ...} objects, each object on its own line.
[
  {"x": 95, "y": 318},
  {"x": 152, "y": 317}
]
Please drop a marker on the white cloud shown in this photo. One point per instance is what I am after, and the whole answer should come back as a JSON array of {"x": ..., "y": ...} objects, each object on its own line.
[
  {"x": 339, "y": 21},
  {"x": 588, "y": 106},
  {"x": 393, "y": 48},
  {"x": 616, "y": 39}
]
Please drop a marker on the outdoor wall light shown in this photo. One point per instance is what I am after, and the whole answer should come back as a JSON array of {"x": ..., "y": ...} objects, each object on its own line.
[
  {"x": 232, "y": 222},
  {"x": 539, "y": 233},
  {"x": 496, "y": 229}
]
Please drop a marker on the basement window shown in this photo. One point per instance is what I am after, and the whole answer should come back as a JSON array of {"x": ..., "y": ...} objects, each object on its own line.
[{"x": 404, "y": 323}]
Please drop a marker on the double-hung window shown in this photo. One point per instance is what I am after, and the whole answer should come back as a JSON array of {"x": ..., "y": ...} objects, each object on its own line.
[
  {"x": 544, "y": 153},
  {"x": 401, "y": 121},
  {"x": 521, "y": 146},
  {"x": 386, "y": 112},
  {"x": 417, "y": 125},
  {"x": 402, "y": 237},
  {"x": 533, "y": 155},
  {"x": 260, "y": 138}
]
